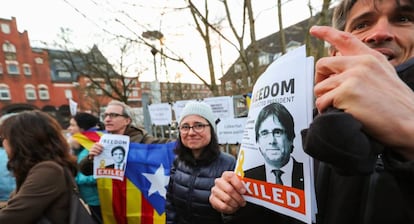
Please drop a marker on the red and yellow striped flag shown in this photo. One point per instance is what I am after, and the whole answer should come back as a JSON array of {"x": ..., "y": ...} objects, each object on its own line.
[{"x": 130, "y": 201}]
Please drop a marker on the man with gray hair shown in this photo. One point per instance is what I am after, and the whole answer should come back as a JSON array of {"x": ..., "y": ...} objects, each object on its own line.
[
  {"x": 118, "y": 119},
  {"x": 364, "y": 133}
]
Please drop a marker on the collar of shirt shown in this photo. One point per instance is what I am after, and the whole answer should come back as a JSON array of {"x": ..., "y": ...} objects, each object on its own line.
[{"x": 286, "y": 176}]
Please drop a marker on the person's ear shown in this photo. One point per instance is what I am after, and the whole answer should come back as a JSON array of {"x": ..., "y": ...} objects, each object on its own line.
[{"x": 129, "y": 121}]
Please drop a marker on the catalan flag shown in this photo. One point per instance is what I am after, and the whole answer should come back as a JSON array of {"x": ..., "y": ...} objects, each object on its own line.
[
  {"x": 88, "y": 138},
  {"x": 140, "y": 197},
  {"x": 248, "y": 97}
]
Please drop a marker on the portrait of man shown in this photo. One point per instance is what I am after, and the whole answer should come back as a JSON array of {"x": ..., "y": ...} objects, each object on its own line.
[
  {"x": 274, "y": 129},
  {"x": 118, "y": 155}
]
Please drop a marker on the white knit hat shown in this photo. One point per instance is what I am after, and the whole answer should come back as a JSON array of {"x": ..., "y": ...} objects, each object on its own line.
[{"x": 199, "y": 108}]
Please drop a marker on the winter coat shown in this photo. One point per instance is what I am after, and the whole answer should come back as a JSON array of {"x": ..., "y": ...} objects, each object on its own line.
[
  {"x": 359, "y": 180},
  {"x": 44, "y": 192},
  {"x": 189, "y": 190},
  {"x": 87, "y": 184},
  {"x": 7, "y": 182}
]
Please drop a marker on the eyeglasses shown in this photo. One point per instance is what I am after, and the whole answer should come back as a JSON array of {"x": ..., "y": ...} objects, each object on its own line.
[
  {"x": 277, "y": 132},
  {"x": 185, "y": 128},
  {"x": 113, "y": 115}
]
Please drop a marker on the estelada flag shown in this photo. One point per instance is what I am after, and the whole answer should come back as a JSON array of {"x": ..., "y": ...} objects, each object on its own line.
[
  {"x": 248, "y": 98},
  {"x": 140, "y": 196}
]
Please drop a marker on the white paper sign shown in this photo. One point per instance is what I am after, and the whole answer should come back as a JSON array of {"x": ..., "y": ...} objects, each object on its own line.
[
  {"x": 73, "y": 107},
  {"x": 112, "y": 162},
  {"x": 160, "y": 113},
  {"x": 277, "y": 172},
  {"x": 230, "y": 130}
]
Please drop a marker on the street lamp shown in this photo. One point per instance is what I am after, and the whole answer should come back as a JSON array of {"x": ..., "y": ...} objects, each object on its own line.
[
  {"x": 155, "y": 86},
  {"x": 154, "y": 52},
  {"x": 154, "y": 35}
]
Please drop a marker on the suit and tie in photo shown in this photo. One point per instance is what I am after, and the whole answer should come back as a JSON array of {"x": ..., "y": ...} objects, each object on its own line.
[{"x": 275, "y": 132}]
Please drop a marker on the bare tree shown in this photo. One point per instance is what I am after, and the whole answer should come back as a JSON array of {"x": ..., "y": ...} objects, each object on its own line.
[
  {"x": 206, "y": 28},
  {"x": 101, "y": 78},
  {"x": 281, "y": 29},
  {"x": 249, "y": 61},
  {"x": 203, "y": 28},
  {"x": 324, "y": 20}
]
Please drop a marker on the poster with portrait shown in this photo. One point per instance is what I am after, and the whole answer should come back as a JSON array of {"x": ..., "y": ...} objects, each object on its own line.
[
  {"x": 112, "y": 162},
  {"x": 277, "y": 173}
]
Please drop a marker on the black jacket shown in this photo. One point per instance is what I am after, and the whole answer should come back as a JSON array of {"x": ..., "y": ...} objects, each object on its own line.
[
  {"x": 189, "y": 190},
  {"x": 359, "y": 181}
]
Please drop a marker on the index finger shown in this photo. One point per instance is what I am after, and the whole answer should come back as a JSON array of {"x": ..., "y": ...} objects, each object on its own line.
[
  {"x": 345, "y": 43},
  {"x": 232, "y": 178}
]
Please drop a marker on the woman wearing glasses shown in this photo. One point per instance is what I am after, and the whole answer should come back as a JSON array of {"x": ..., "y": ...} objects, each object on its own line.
[{"x": 199, "y": 161}]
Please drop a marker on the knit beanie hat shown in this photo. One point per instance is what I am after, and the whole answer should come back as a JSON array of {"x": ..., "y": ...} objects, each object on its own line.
[
  {"x": 85, "y": 120},
  {"x": 199, "y": 108}
]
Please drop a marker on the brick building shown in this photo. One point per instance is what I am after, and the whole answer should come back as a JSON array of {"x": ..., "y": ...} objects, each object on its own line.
[
  {"x": 25, "y": 80},
  {"x": 45, "y": 79}
]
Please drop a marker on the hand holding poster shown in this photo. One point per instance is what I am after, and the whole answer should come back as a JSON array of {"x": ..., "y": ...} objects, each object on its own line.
[
  {"x": 111, "y": 163},
  {"x": 276, "y": 172}
]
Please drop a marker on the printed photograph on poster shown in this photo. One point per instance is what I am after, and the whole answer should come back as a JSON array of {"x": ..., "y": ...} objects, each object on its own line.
[
  {"x": 271, "y": 161},
  {"x": 112, "y": 162}
]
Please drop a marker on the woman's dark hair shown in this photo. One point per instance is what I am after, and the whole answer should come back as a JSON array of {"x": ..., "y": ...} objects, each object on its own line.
[
  {"x": 86, "y": 121},
  {"x": 34, "y": 137},
  {"x": 208, "y": 155}
]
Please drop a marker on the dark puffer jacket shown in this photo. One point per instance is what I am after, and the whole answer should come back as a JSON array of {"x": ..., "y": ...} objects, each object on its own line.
[{"x": 189, "y": 190}]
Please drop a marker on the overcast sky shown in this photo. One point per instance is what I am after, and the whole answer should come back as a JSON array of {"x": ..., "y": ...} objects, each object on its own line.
[{"x": 86, "y": 19}]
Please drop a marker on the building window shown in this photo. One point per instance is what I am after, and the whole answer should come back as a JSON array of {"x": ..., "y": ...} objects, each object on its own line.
[
  {"x": 63, "y": 74},
  {"x": 239, "y": 83},
  {"x": 39, "y": 60},
  {"x": 26, "y": 69},
  {"x": 30, "y": 92},
  {"x": 264, "y": 60},
  {"x": 98, "y": 91},
  {"x": 12, "y": 67},
  {"x": 237, "y": 68},
  {"x": 249, "y": 81},
  {"x": 4, "y": 92},
  {"x": 61, "y": 64},
  {"x": 68, "y": 94},
  {"x": 135, "y": 93},
  {"x": 5, "y": 28},
  {"x": 228, "y": 86},
  {"x": 43, "y": 92},
  {"x": 276, "y": 56},
  {"x": 9, "y": 51},
  {"x": 108, "y": 88},
  {"x": 1, "y": 69}
]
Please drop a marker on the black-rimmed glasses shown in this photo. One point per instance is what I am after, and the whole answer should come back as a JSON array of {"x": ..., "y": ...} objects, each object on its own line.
[
  {"x": 113, "y": 115},
  {"x": 185, "y": 128}
]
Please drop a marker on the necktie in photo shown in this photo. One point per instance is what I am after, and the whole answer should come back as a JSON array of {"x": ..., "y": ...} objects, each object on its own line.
[{"x": 278, "y": 174}]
